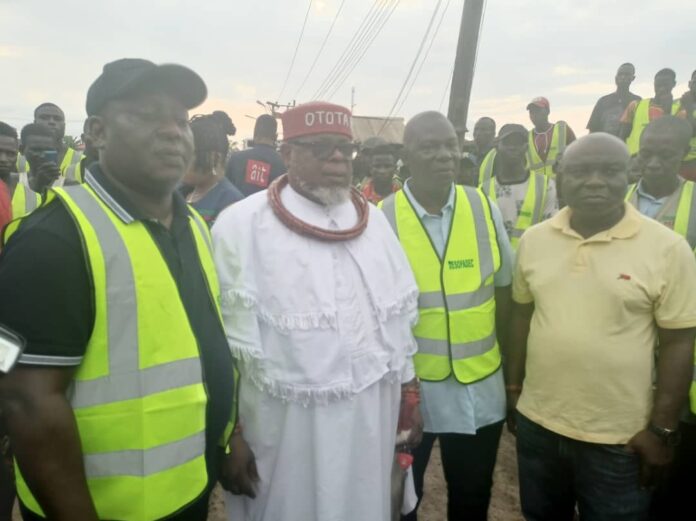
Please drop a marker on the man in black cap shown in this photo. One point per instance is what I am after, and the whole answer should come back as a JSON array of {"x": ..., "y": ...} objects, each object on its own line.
[
  {"x": 524, "y": 198},
  {"x": 125, "y": 387}
]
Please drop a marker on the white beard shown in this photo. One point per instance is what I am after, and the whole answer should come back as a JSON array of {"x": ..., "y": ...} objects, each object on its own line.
[{"x": 327, "y": 196}]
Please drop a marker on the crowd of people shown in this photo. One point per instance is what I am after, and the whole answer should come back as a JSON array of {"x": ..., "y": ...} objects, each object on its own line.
[{"x": 302, "y": 320}]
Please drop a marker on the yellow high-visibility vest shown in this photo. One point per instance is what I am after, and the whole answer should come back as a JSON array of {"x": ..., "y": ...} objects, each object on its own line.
[
  {"x": 641, "y": 119},
  {"x": 559, "y": 139},
  {"x": 677, "y": 213},
  {"x": 24, "y": 199},
  {"x": 138, "y": 396},
  {"x": 691, "y": 155},
  {"x": 456, "y": 326},
  {"x": 486, "y": 166},
  {"x": 71, "y": 158},
  {"x": 532, "y": 211}
]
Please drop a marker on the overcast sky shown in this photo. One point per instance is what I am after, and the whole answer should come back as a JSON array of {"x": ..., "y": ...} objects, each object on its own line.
[{"x": 566, "y": 50}]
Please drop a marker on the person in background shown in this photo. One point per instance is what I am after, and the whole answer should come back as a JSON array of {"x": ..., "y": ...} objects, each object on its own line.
[
  {"x": 205, "y": 187},
  {"x": 663, "y": 195},
  {"x": 255, "y": 168},
  {"x": 90, "y": 154},
  {"x": 546, "y": 140},
  {"x": 52, "y": 117},
  {"x": 688, "y": 104},
  {"x": 9, "y": 147},
  {"x": 124, "y": 392},
  {"x": 39, "y": 148},
  {"x": 468, "y": 170},
  {"x": 484, "y": 137},
  {"x": 457, "y": 247},
  {"x": 606, "y": 115},
  {"x": 383, "y": 176},
  {"x": 524, "y": 199},
  {"x": 596, "y": 287},
  {"x": 639, "y": 113}
]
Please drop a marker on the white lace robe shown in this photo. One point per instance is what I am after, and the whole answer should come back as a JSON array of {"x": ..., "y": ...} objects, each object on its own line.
[{"x": 322, "y": 335}]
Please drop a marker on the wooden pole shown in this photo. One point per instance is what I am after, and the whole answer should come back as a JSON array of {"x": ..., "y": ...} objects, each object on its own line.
[{"x": 462, "y": 79}]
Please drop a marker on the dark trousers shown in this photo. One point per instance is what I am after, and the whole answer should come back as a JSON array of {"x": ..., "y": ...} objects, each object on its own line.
[
  {"x": 674, "y": 498},
  {"x": 197, "y": 511},
  {"x": 556, "y": 472},
  {"x": 468, "y": 462}
]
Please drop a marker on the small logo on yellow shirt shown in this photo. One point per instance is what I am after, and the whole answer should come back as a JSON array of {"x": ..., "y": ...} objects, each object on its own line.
[
  {"x": 623, "y": 276},
  {"x": 460, "y": 264}
]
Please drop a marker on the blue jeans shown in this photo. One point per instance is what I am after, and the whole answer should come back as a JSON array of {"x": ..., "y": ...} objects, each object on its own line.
[{"x": 557, "y": 472}]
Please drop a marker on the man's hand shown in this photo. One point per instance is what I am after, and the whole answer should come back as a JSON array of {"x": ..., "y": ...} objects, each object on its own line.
[
  {"x": 654, "y": 456},
  {"x": 416, "y": 435},
  {"x": 512, "y": 399},
  {"x": 239, "y": 475},
  {"x": 44, "y": 176}
]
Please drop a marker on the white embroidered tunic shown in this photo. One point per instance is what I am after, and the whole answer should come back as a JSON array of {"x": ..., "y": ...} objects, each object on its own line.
[{"x": 322, "y": 335}]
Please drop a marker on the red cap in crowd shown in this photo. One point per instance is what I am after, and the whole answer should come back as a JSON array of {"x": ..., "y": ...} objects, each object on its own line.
[{"x": 316, "y": 117}]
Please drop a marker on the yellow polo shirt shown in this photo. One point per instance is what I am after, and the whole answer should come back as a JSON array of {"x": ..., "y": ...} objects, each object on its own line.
[{"x": 598, "y": 302}]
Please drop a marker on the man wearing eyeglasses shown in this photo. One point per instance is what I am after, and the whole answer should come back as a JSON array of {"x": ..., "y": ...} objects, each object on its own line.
[{"x": 318, "y": 301}]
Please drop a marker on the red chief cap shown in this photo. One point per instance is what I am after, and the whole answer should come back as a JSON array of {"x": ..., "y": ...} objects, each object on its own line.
[
  {"x": 540, "y": 102},
  {"x": 316, "y": 117}
]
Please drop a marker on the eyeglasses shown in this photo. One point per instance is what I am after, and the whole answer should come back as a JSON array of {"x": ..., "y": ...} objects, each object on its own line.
[{"x": 324, "y": 149}]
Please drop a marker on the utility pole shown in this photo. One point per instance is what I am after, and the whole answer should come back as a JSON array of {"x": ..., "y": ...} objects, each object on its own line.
[
  {"x": 464, "y": 63},
  {"x": 352, "y": 100}
]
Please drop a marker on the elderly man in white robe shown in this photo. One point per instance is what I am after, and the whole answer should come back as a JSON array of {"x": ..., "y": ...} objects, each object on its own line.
[{"x": 318, "y": 301}]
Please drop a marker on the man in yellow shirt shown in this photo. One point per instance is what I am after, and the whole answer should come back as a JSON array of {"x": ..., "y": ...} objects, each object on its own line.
[{"x": 595, "y": 289}]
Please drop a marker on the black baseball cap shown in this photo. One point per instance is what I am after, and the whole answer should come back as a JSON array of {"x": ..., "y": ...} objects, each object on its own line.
[{"x": 130, "y": 75}]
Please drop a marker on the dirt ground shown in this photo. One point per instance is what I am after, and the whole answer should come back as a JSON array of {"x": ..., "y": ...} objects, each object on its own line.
[{"x": 505, "y": 505}]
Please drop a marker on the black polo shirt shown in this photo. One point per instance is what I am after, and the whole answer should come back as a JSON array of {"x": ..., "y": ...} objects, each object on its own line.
[{"x": 47, "y": 297}]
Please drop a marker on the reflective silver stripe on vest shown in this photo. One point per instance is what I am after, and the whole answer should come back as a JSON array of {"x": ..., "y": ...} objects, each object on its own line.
[
  {"x": 71, "y": 171},
  {"x": 428, "y": 346},
  {"x": 540, "y": 197},
  {"x": 30, "y": 200},
  {"x": 485, "y": 260},
  {"x": 456, "y": 301},
  {"x": 152, "y": 380},
  {"x": 144, "y": 463},
  {"x": 203, "y": 229}
]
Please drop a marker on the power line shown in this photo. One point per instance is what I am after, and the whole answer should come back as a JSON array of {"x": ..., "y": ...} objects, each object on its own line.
[
  {"x": 321, "y": 49},
  {"x": 425, "y": 57},
  {"x": 348, "y": 48},
  {"x": 413, "y": 65},
  {"x": 297, "y": 48},
  {"x": 365, "y": 35},
  {"x": 385, "y": 18},
  {"x": 444, "y": 94}
]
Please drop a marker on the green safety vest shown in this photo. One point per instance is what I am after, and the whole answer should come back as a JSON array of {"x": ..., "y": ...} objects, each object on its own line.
[
  {"x": 24, "y": 199},
  {"x": 71, "y": 157},
  {"x": 532, "y": 211},
  {"x": 679, "y": 214},
  {"x": 641, "y": 119},
  {"x": 559, "y": 138},
  {"x": 456, "y": 326},
  {"x": 691, "y": 155},
  {"x": 139, "y": 396},
  {"x": 486, "y": 166},
  {"x": 74, "y": 172}
]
